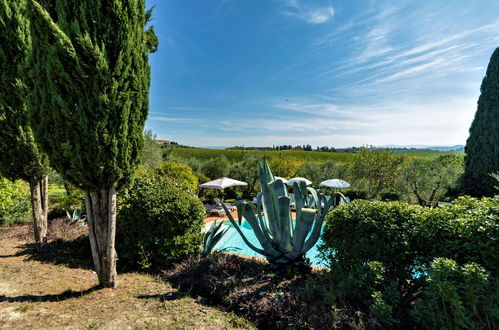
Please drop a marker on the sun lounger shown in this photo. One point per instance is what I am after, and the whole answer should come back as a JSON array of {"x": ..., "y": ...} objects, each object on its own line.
[
  {"x": 214, "y": 210},
  {"x": 218, "y": 203}
]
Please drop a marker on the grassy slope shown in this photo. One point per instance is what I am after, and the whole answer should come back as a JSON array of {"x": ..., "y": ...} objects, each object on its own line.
[{"x": 38, "y": 291}]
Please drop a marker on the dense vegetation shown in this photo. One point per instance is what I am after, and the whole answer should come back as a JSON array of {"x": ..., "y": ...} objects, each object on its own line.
[
  {"x": 90, "y": 100},
  {"x": 384, "y": 257},
  {"x": 482, "y": 146},
  {"x": 158, "y": 223},
  {"x": 374, "y": 174},
  {"x": 21, "y": 156},
  {"x": 14, "y": 202}
]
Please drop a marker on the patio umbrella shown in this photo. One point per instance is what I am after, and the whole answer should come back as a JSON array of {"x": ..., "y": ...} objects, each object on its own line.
[
  {"x": 293, "y": 180},
  {"x": 335, "y": 183},
  {"x": 222, "y": 183}
]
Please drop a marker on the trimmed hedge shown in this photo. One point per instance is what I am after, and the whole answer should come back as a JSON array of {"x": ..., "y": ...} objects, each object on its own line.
[
  {"x": 396, "y": 243},
  {"x": 158, "y": 224}
]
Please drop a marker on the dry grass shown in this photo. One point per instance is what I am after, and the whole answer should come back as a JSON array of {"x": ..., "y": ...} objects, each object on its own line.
[{"x": 53, "y": 289}]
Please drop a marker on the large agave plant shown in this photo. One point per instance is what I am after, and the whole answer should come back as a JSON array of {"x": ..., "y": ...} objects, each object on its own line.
[{"x": 283, "y": 240}]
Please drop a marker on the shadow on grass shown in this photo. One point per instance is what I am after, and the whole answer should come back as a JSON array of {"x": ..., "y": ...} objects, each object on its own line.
[
  {"x": 74, "y": 253},
  {"x": 166, "y": 296},
  {"x": 67, "y": 294}
]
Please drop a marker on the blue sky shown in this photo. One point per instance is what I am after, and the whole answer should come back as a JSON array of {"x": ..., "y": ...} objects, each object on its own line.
[{"x": 336, "y": 73}]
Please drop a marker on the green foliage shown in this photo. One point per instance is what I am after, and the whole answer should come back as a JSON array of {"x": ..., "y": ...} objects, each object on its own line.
[
  {"x": 282, "y": 241},
  {"x": 21, "y": 157},
  {"x": 180, "y": 173},
  {"x": 430, "y": 179},
  {"x": 245, "y": 171},
  {"x": 482, "y": 151},
  {"x": 15, "y": 204},
  {"x": 458, "y": 297},
  {"x": 90, "y": 87},
  {"x": 215, "y": 168},
  {"x": 158, "y": 224},
  {"x": 151, "y": 152},
  {"x": 62, "y": 203},
  {"x": 238, "y": 155},
  {"x": 320, "y": 171},
  {"x": 354, "y": 194},
  {"x": 211, "y": 237},
  {"x": 284, "y": 167},
  {"x": 496, "y": 177},
  {"x": 389, "y": 195},
  {"x": 375, "y": 170},
  {"x": 405, "y": 239}
]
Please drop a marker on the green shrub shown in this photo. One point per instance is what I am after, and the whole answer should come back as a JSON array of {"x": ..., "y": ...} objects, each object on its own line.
[
  {"x": 389, "y": 195},
  {"x": 62, "y": 203},
  {"x": 354, "y": 194},
  {"x": 180, "y": 173},
  {"x": 458, "y": 297},
  {"x": 15, "y": 205},
  {"x": 405, "y": 239},
  {"x": 158, "y": 223}
]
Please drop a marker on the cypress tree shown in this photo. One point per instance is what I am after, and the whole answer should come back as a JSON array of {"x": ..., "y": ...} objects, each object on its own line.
[
  {"x": 482, "y": 146},
  {"x": 20, "y": 155},
  {"x": 90, "y": 103}
]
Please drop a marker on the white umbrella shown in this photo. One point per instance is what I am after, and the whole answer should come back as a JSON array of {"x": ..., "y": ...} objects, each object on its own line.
[
  {"x": 280, "y": 178},
  {"x": 335, "y": 183},
  {"x": 293, "y": 180},
  {"x": 222, "y": 183}
]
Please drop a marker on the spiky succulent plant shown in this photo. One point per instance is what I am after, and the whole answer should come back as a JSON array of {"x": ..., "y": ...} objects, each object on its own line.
[{"x": 283, "y": 240}]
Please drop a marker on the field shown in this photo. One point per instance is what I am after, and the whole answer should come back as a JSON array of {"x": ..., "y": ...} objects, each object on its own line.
[{"x": 294, "y": 155}]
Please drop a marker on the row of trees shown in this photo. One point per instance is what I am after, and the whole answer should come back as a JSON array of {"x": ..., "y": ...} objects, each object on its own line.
[
  {"x": 74, "y": 88},
  {"x": 374, "y": 172}
]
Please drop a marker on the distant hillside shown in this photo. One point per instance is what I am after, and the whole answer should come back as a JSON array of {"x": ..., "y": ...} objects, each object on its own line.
[{"x": 455, "y": 148}]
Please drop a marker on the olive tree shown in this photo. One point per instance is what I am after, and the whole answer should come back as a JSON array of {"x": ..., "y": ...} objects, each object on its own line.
[
  {"x": 21, "y": 157},
  {"x": 91, "y": 80}
]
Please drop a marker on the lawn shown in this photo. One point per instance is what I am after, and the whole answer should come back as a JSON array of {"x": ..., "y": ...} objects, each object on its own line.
[{"x": 69, "y": 298}]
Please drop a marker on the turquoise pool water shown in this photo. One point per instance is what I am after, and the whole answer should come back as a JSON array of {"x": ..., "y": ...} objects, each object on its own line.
[{"x": 233, "y": 240}]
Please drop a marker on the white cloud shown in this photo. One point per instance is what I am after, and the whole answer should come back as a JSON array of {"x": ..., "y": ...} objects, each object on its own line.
[{"x": 306, "y": 13}]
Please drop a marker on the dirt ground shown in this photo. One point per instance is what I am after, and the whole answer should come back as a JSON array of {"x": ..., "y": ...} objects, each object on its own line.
[{"x": 47, "y": 290}]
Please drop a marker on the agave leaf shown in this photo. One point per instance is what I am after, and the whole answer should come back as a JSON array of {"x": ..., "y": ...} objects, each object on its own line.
[
  {"x": 268, "y": 210},
  {"x": 316, "y": 231},
  {"x": 315, "y": 200},
  {"x": 265, "y": 240},
  {"x": 251, "y": 246},
  {"x": 303, "y": 225},
  {"x": 215, "y": 239},
  {"x": 285, "y": 220}
]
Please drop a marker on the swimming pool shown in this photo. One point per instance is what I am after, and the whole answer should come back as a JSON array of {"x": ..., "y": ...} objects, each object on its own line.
[{"x": 232, "y": 240}]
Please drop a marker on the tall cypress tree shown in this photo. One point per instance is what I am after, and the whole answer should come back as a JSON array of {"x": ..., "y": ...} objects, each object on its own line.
[
  {"x": 20, "y": 156},
  {"x": 482, "y": 146},
  {"x": 91, "y": 90}
]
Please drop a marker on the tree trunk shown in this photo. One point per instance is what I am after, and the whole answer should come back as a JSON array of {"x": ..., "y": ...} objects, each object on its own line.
[
  {"x": 39, "y": 207},
  {"x": 69, "y": 187},
  {"x": 101, "y": 218}
]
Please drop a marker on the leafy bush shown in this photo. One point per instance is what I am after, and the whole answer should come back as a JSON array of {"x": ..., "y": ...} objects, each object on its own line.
[
  {"x": 354, "y": 194},
  {"x": 180, "y": 173},
  {"x": 158, "y": 223},
  {"x": 62, "y": 203},
  {"x": 389, "y": 195},
  {"x": 15, "y": 205},
  {"x": 405, "y": 239},
  {"x": 458, "y": 297},
  {"x": 215, "y": 168}
]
